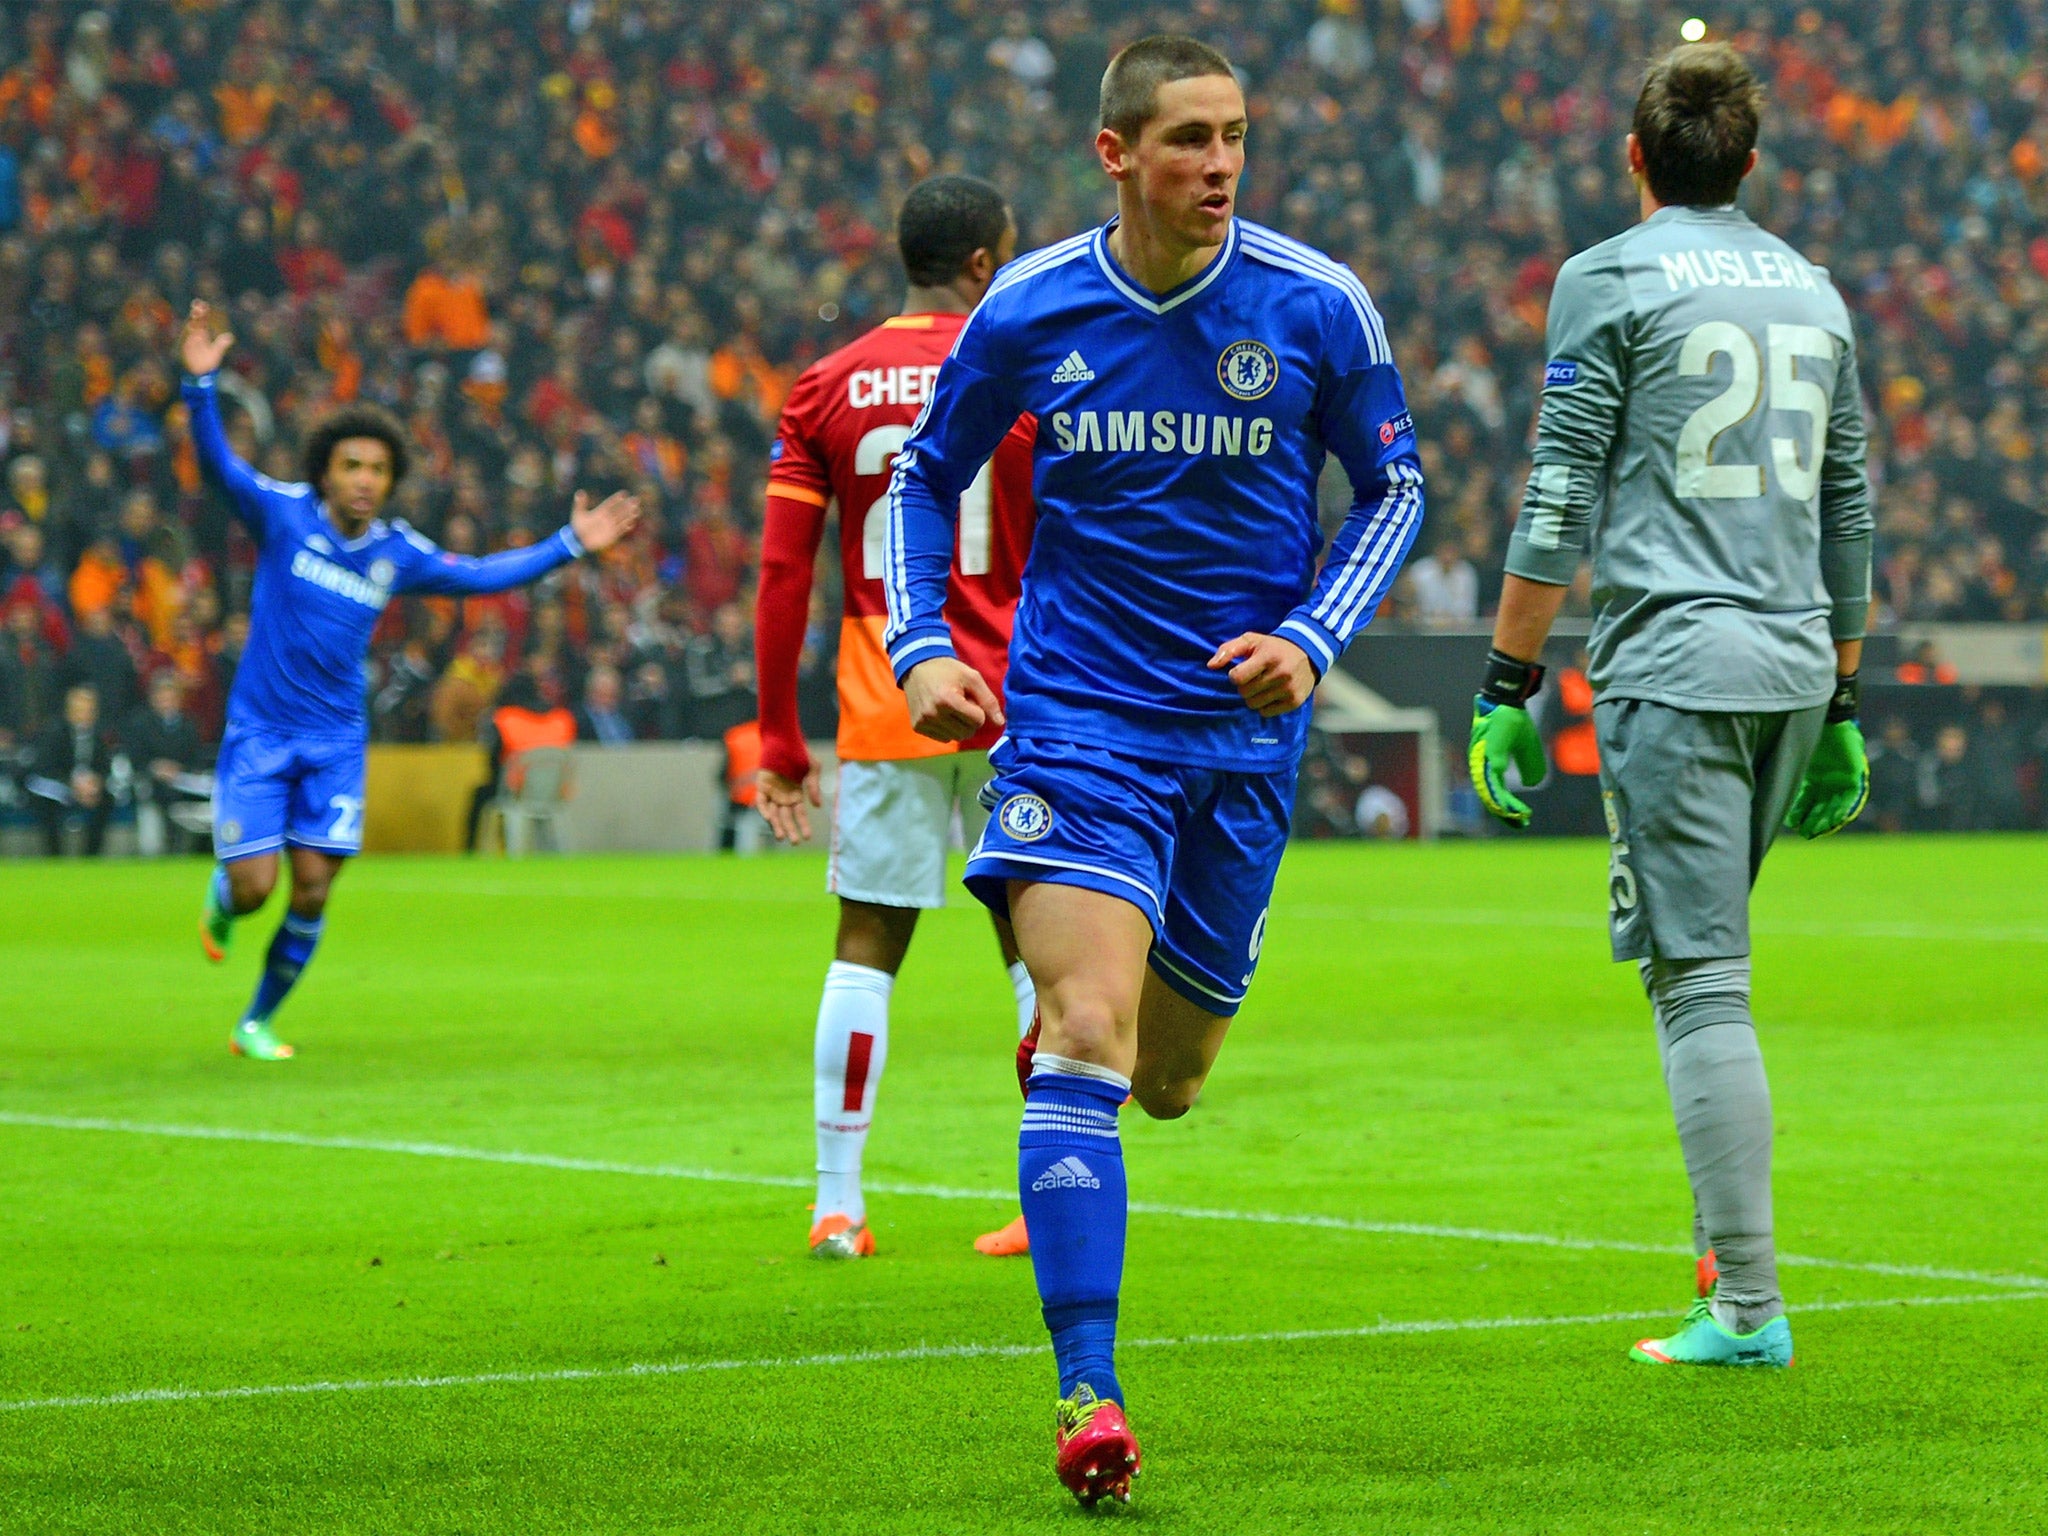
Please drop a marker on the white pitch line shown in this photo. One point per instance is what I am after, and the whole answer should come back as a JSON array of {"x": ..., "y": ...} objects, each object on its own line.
[
  {"x": 1449, "y": 917},
  {"x": 2015, "y": 1281},
  {"x": 919, "y": 1352}
]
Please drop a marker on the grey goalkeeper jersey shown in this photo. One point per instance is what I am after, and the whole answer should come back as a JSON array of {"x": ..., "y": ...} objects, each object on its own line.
[{"x": 1702, "y": 437}]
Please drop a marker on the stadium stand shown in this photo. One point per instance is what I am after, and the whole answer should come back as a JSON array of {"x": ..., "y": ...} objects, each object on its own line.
[{"x": 591, "y": 244}]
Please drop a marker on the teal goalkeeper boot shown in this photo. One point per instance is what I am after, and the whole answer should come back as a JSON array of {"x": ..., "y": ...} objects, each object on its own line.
[{"x": 1701, "y": 1340}]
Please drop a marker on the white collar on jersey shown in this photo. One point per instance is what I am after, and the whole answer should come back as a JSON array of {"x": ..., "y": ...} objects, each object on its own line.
[
  {"x": 376, "y": 530},
  {"x": 1146, "y": 301}
]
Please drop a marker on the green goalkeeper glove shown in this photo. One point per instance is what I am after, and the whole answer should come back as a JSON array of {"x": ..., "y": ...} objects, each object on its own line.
[
  {"x": 1503, "y": 733},
  {"x": 1837, "y": 782}
]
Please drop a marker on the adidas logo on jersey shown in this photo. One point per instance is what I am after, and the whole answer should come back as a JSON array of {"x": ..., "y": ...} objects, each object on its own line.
[
  {"x": 1074, "y": 370},
  {"x": 1067, "y": 1173}
]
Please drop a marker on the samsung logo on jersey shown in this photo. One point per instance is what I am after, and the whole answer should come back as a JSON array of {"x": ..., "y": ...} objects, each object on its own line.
[
  {"x": 1737, "y": 269},
  {"x": 907, "y": 385},
  {"x": 308, "y": 566},
  {"x": 1188, "y": 432}
]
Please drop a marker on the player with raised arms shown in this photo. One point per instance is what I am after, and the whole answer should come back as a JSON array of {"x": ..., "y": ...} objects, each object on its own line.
[
  {"x": 1189, "y": 372},
  {"x": 290, "y": 775},
  {"x": 1702, "y": 437},
  {"x": 898, "y": 791}
]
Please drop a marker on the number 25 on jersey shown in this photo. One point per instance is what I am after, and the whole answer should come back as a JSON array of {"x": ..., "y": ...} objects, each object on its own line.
[{"x": 1798, "y": 477}]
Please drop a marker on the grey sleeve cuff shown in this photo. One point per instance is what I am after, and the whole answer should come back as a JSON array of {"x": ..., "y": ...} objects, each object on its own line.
[
  {"x": 1552, "y": 567},
  {"x": 1845, "y": 572},
  {"x": 1550, "y": 530}
]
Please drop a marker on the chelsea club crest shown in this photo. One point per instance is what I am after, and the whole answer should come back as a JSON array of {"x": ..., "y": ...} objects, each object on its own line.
[
  {"x": 1025, "y": 817},
  {"x": 1247, "y": 370},
  {"x": 383, "y": 572}
]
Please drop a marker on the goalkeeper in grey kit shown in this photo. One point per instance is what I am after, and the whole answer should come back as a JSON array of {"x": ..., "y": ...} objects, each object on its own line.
[{"x": 1702, "y": 437}]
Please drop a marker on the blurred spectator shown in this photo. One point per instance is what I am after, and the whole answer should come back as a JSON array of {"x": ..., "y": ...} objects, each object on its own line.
[
  {"x": 651, "y": 704},
  {"x": 719, "y": 669},
  {"x": 401, "y": 710},
  {"x": 68, "y": 778},
  {"x": 34, "y": 579},
  {"x": 1445, "y": 587},
  {"x": 445, "y": 310},
  {"x": 600, "y": 719},
  {"x": 465, "y": 691},
  {"x": 523, "y": 718},
  {"x": 162, "y": 745},
  {"x": 123, "y": 423},
  {"x": 1997, "y": 759},
  {"x": 29, "y": 680},
  {"x": 717, "y": 558},
  {"x": 1323, "y": 804},
  {"x": 28, "y": 488},
  {"x": 309, "y": 265},
  {"x": 1948, "y": 783},
  {"x": 1380, "y": 813},
  {"x": 99, "y": 659},
  {"x": 1894, "y": 778},
  {"x": 247, "y": 263}
]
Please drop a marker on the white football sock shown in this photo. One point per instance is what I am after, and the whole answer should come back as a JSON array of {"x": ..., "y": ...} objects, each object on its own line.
[
  {"x": 1027, "y": 997},
  {"x": 852, "y": 1044}
]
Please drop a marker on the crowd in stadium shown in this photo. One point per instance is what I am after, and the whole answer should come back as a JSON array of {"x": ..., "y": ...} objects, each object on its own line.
[{"x": 590, "y": 244}]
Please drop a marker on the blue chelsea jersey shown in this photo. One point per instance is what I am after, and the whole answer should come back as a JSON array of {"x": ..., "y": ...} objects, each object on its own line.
[
  {"x": 318, "y": 595},
  {"x": 1180, "y": 439}
]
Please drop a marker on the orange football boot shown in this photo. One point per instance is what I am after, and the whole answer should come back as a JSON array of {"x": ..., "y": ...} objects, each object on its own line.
[
  {"x": 1006, "y": 1242},
  {"x": 840, "y": 1237}
]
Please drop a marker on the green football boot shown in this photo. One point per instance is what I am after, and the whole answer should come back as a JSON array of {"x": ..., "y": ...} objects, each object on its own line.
[
  {"x": 253, "y": 1038},
  {"x": 216, "y": 923},
  {"x": 1703, "y": 1341}
]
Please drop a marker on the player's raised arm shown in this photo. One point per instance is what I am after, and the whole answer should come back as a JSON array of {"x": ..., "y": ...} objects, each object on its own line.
[
  {"x": 201, "y": 350},
  {"x": 590, "y": 530},
  {"x": 971, "y": 409}
]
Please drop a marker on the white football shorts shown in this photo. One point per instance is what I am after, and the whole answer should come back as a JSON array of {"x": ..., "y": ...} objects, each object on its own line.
[{"x": 893, "y": 824}]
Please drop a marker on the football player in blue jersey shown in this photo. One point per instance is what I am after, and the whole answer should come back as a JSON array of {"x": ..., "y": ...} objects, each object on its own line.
[
  {"x": 290, "y": 776},
  {"x": 1189, "y": 372}
]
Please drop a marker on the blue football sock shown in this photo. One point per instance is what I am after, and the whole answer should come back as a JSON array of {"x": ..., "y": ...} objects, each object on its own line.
[
  {"x": 1070, "y": 1179},
  {"x": 296, "y": 939},
  {"x": 219, "y": 893}
]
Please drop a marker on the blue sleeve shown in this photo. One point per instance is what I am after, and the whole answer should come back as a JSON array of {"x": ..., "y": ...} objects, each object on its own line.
[
  {"x": 972, "y": 406},
  {"x": 253, "y": 496},
  {"x": 425, "y": 567},
  {"x": 1362, "y": 417}
]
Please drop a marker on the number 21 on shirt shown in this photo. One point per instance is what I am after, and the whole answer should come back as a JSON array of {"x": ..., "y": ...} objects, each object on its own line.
[{"x": 871, "y": 456}]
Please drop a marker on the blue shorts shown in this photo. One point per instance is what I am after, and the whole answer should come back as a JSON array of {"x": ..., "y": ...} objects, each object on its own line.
[
  {"x": 1194, "y": 849},
  {"x": 270, "y": 789}
]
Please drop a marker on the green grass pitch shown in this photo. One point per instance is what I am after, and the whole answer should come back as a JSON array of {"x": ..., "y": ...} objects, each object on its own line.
[{"x": 1415, "y": 1063}]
